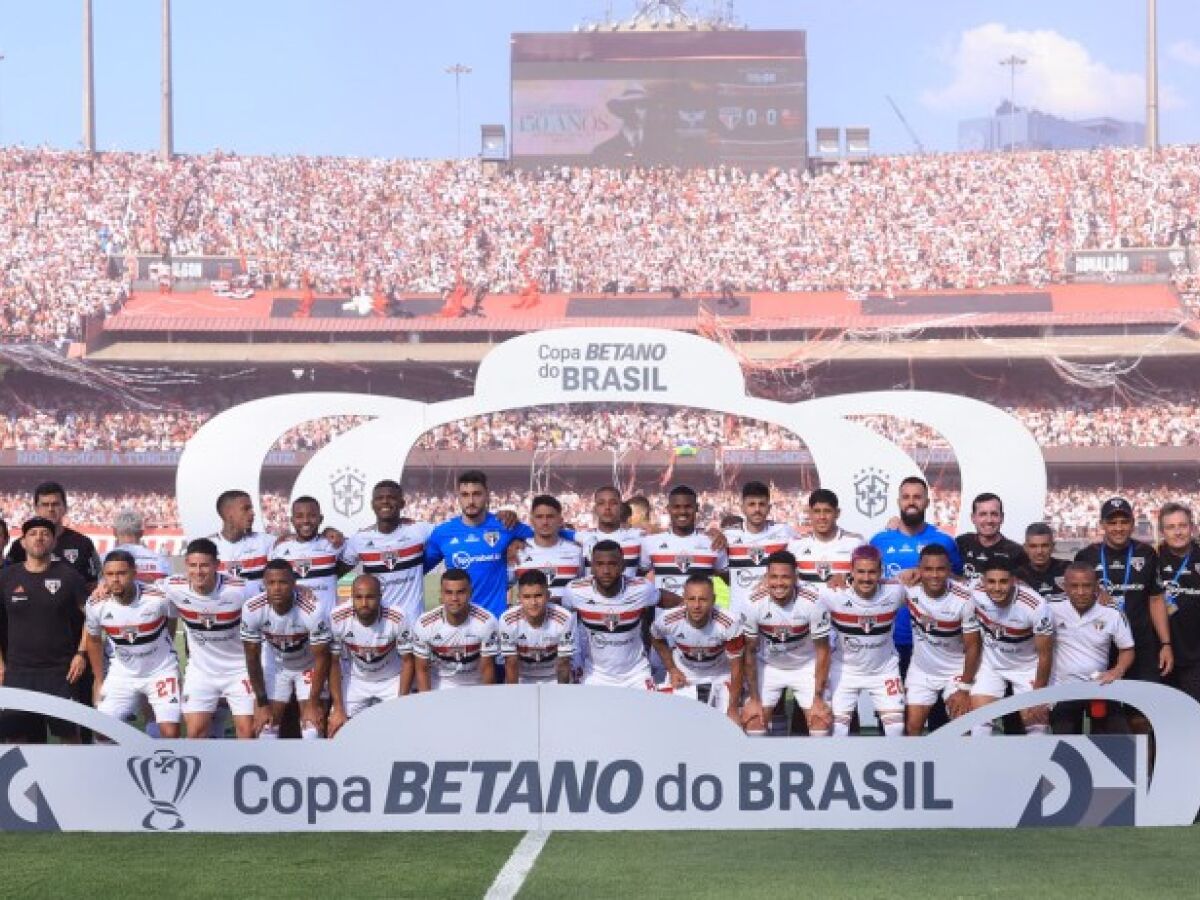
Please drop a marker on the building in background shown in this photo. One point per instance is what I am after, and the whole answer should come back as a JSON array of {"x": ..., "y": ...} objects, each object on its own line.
[{"x": 1034, "y": 130}]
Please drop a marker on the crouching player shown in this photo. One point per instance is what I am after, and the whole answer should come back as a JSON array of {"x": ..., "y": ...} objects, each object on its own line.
[
  {"x": 372, "y": 653},
  {"x": 864, "y": 615},
  {"x": 946, "y": 642},
  {"x": 537, "y": 637},
  {"x": 136, "y": 619},
  {"x": 1018, "y": 644},
  {"x": 702, "y": 648},
  {"x": 289, "y": 622},
  {"x": 787, "y": 646}
]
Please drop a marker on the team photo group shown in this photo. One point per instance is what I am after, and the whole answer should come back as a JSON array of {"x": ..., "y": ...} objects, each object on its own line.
[{"x": 742, "y": 615}]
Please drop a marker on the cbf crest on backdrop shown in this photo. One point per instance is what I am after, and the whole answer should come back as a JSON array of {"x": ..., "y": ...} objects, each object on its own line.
[{"x": 611, "y": 365}]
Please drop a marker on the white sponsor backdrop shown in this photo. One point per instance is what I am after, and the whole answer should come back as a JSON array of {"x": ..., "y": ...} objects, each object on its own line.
[
  {"x": 606, "y": 365},
  {"x": 579, "y": 758}
]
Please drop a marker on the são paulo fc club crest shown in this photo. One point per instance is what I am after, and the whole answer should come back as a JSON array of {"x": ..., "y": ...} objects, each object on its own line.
[
  {"x": 683, "y": 561},
  {"x": 491, "y": 538},
  {"x": 301, "y": 567},
  {"x": 53, "y": 584},
  {"x": 824, "y": 571},
  {"x": 612, "y": 620},
  {"x": 870, "y": 492},
  {"x": 71, "y": 555},
  {"x": 757, "y": 555},
  {"x": 348, "y": 487},
  {"x": 164, "y": 779},
  {"x": 868, "y": 622}
]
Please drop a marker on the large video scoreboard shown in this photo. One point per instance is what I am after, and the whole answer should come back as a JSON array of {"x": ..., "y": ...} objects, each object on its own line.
[{"x": 660, "y": 98}]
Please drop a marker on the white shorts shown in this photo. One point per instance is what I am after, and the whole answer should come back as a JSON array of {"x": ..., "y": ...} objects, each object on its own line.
[
  {"x": 994, "y": 683},
  {"x": 122, "y": 695},
  {"x": 924, "y": 689},
  {"x": 772, "y": 682},
  {"x": 715, "y": 693},
  {"x": 282, "y": 683},
  {"x": 202, "y": 693},
  {"x": 639, "y": 678},
  {"x": 886, "y": 690},
  {"x": 362, "y": 693}
]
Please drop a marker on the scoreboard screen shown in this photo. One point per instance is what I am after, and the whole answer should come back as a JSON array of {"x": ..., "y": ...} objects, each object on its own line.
[{"x": 660, "y": 98}]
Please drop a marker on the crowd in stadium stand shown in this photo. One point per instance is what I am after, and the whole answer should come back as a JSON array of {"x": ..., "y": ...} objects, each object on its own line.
[
  {"x": 355, "y": 226},
  {"x": 1072, "y": 510}
]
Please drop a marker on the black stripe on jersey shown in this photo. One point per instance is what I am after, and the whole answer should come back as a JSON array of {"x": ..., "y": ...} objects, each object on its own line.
[
  {"x": 215, "y": 626},
  {"x": 453, "y": 658},
  {"x": 877, "y": 629},
  {"x": 603, "y": 627},
  {"x": 693, "y": 569},
  {"x": 140, "y": 639},
  {"x": 398, "y": 565},
  {"x": 782, "y": 635}
]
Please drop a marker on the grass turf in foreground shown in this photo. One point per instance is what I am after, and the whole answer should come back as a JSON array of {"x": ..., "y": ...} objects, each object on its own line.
[
  {"x": 1092, "y": 863},
  {"x": 419, "y": 865}
]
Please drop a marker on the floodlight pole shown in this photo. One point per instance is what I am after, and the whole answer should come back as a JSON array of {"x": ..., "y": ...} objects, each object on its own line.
[
  {"x": 89, "y": 81},
  {"x": 1152, "y": 75},
  {"x": 458, "y": 70},
  {"x": 1012, "y": 62}
]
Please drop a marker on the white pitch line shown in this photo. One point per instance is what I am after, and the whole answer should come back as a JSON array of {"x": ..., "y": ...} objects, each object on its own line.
[{"x": 510, "y": 878}]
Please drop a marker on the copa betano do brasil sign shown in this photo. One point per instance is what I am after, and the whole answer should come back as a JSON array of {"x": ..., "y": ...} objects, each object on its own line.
[{"x": 587, "y": 758}]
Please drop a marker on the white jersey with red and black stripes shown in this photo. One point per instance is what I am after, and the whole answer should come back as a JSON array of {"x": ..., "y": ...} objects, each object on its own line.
[
  {"x": 938, "y": 625},
  {"x": 786, "y": 632},
  {"x": 538, "y": 648},
  {"x": 630, "y": 540},
  {"x": 611, "y": 626},
  {"x": 562, "y": 563},
  {"x": 670, "y": 558},
  {"x": 213, "y": 624},
  {"x": 864, "y": 627},
  {"x": 819, "y": 560},
  {"x": 289, "y": 636},
  {"x": 136, "y": 631},
  {"x": 151, "y": 565},
  {"x": 748, "y": 551},
  {"x": 702, "y": 652},
  {"x": 245, "y": 558},
  {"x": 315, "y": 565},
  {"x": 1008, "y": 631},
  {"x": 374, "y": 651},
  {"x": 454, "y": 651},
  {"x": 397, "y": 559}
]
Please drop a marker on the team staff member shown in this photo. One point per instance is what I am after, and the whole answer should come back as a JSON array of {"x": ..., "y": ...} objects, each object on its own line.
[
  {"x": 1042, "y": 571},
  {"x": 1179, "y": 573},
  {"x": 71, "y": 546},
  {"x": 41, "y": 630},
  {"x": 985, "y": 543}
]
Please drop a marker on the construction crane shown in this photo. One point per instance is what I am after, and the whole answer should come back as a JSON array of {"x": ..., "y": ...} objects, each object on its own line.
[{"x": 907, "y": 127}]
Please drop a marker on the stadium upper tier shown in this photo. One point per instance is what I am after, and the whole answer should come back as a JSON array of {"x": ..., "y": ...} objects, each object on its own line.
[{"x": 74, "y": 225}]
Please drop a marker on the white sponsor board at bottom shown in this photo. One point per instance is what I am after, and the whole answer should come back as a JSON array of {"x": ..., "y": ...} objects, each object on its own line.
[{"x": 575, "y": 758}]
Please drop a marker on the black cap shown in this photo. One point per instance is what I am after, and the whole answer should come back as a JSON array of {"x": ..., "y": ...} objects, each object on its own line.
[
  {"x": 38, "y": 522},
  {"x": 1115, "y": 506}
]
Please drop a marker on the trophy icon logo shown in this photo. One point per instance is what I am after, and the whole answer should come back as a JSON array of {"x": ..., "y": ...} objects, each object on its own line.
[{"x": 164, "y": 779}]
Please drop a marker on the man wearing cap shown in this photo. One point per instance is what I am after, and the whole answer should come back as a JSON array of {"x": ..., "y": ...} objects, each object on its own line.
[
  {"x": 1128, "y": 572},
  {"x": 41, "y": 631}
]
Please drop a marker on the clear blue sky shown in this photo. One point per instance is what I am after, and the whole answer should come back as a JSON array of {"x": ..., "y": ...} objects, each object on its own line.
[{"x": 365, "y": 77}]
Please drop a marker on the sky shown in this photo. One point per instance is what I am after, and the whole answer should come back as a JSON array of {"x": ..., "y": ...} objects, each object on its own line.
[{"x": 366, "y": 77}]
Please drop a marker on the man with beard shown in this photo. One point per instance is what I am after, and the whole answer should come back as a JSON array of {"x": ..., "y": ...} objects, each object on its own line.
[
  {"x": 901, "y": 551},
  {"x": 986, "y": 543},
  {"x": 1042, "y": 571}
]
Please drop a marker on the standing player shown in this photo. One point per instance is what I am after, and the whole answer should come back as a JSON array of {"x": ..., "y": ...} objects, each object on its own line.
[
  {"x": 455, "y": 645},
  {"x": 537, "y": 637},
  {"x": 823, "y": 556},
  {"x": 70, "y": 546},
  {"x": 702, "y": 648},
  {"x": 242, "y": 551},
  {"x": 477, "y": 542},
  {"x": 609, "y": 514},
  {"x": 290, "y": 622},
  {"x": 394, "y": 553},
  {"x": 1085, "y": 633},
  {"x": 1179, "y": 573},
  {"x": 986, "y": 542},
  {"x": 375, "y": 643},
  {"x": 135, "y": 619},
  {"x": 1128, "y": 572},
  {"x": 863, "y": 615},
  {"x": 751, "y": 544},
  {"x": 312, "y": 556},
  {"x": 210, "y": 604},
  {"x": 611, "y": 608},
  {"x": 561, "y": 560},
  {"x": 640, "y": 515},
  {"x": 787, "y": 648},
  {"x": 1042, "y": 571},
  {"x": 1018, "y": 644},
  {"x": 128, "y": 530},
  {"x": 682, "y": 550},
  {"x": 946, "y": 642}
]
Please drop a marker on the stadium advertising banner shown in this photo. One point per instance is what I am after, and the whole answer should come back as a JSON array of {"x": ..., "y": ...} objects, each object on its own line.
[
  {"x": 584, "y": 758},
  {"x": 183, "y": 268},
  {"x": 678, "y": 98},
  {"x": 1131, "y": 264},
  {"x": 635, "y": 365}
]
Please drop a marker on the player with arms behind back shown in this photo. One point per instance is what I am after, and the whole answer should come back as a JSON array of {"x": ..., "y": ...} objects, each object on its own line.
[{"x": 537, "y": 637}]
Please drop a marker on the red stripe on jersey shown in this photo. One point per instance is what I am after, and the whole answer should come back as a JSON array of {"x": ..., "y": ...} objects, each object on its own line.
[
  {"x": 847, "y": 618},
  {"x": 916, "y": 613},
  {"x": 835, "y": 565},
  {"x": 993, "y": 625},
  {"x": 374, "y": 556},
  {"x": 452, "y": 649},
  {"x": 194, "y": 616},
  {"x": 736, "y": 552},
  {"x": 142, "y": 627},
  {"x": 698, "y": 559},
  {"x": 254, "y": 562},
  {"x": 599, "y": 615}
]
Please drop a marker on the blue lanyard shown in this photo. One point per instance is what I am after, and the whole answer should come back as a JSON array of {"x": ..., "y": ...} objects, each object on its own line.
[
  {"x": 1124, "y": 580},
  {"x": 1182, "y": 568}
]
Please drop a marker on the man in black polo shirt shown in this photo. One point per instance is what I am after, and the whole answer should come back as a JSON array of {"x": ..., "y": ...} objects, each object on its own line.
[
  {"x": 75, "y": 549},
  {"x": 986, "y": 543},
  {"x": 1042, "y": 571},
  {"x": 1128, "y": 572},
  {"x": 41, "y": 631},
  {"x": 1179, "y": 572}
]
